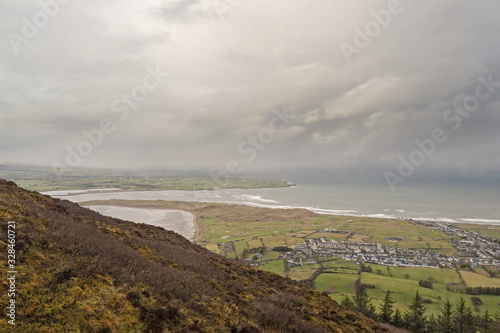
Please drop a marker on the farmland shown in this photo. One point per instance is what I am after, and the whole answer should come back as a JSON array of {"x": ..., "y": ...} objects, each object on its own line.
[
  {"x": 482, "y": 229},
  {"x": 257, "y": 235},
  {"x": 44, "y": 179},
  {"x": 478, "y": 280}
]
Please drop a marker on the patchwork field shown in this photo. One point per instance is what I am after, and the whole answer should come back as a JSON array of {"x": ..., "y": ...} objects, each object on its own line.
[
  {"x": 404, "y": 291},
  {"x": 44, "y": 179},
  {"x": 257, "y": 231}
]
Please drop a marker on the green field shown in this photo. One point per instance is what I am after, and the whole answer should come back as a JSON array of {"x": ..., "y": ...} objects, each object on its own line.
[
  {"x": 285, "y": 239},
  {"x": 213, "y": 247},
  {"x": 289, "y": 231},
  {"x": 484, "y": 230},
  {"x": 254, "y": 243},
  {"x": 337, "y": 285},
  {"x": 214, "y": 230},
  {"x": 270, "y": 255},
  {"x": 138, "y": 183},
  {"x": 302, "y": 272},
  {"x": 239, "y": 247},
  {"x": 329, "y": 235},
  {"x": 46, "y": 179},
  {"x": 404, "y": 291},
  {"x": 340, "y": 266},
  {"x": 441, "y": 275},
  {"x": 275, "y": 266}
]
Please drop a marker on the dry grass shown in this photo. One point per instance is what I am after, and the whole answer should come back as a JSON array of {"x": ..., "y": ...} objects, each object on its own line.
[{"x": 478, "y": 280}]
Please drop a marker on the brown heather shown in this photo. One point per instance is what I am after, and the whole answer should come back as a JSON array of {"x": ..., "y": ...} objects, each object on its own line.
[{"x": 79, "y": 271}]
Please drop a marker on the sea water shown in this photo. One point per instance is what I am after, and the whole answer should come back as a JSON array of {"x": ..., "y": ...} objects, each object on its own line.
[{"x": 451, "y": 202}]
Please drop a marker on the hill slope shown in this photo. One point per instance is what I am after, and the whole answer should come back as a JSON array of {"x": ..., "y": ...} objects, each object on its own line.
[{"x": 79, "y": 271}]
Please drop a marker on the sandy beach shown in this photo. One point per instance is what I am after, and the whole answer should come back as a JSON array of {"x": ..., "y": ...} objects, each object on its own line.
[{"x": 180, "y": 221}]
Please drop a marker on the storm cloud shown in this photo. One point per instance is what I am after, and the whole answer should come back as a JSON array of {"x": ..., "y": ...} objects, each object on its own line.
[{"x": 364, "y": 82}]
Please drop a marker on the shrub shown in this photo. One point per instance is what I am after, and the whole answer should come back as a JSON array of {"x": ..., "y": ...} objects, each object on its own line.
[{"x": 425, "y": 284}]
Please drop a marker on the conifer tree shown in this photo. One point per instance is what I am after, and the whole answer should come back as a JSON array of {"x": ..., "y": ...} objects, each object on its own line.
[
  {"x": 371, "y": 312},
  {"x": 463, "y": 318},
  {"x": 362, "y": 301},
  {"x": 445, "y": 322},
  {"x": 432, "y": 324},
  {"x": 485, "y": 323},
  {"x": 347, "y": 302},
  {"x": 415, "y": 316},
  {"x": 397, "y": 319},
  {"x": 386, "y": 309}
]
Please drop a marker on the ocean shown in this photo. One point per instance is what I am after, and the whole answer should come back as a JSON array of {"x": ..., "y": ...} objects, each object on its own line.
[{"x": 460, "y": 203}]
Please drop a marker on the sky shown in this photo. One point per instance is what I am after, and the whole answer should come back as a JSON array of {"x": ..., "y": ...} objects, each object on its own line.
[{"x": 237, "y": 86}]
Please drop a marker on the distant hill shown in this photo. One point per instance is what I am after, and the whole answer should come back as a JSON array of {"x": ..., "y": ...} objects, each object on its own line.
[
  {"x": 16, "y": 166},
  {"x": 79, "y": 271},
  {"x": 7, "y": 166}
]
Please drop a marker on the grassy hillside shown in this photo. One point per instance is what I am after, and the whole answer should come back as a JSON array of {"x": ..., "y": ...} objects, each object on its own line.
[{"x": 78, "y": 271}]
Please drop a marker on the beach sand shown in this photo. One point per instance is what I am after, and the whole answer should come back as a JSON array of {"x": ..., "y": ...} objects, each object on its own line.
[{"x": 182, "y": 222}]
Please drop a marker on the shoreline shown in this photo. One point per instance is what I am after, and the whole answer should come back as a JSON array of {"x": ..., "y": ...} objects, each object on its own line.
[
  {"x": 116, "y": 190},
  {"x": 321, "y": 211},
  {"x": 195, "y": 209},
  {"x": 198, "y": 233}
]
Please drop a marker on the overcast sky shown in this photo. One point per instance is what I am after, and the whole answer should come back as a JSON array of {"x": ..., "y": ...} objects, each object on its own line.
[{"x": 355, "y": 84}]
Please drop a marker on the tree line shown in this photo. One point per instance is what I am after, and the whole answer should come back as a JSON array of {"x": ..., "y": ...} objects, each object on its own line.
[
  {"x": 482, "y": 290},
  {"x": 457, "y": 318}
]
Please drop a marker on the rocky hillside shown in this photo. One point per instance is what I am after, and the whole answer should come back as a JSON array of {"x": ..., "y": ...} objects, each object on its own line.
[{"x": 78, "y": 271}]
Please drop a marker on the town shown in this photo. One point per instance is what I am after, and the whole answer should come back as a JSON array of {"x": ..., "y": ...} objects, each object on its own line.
[{"x": 472, "y": 250}]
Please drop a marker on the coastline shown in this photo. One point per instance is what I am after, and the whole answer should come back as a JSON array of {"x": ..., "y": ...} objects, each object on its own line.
[
  {"x": 147, "y": 204},
  {"x": 291, "y": 197},
  {"x": 198, "y": 232},
  {"x": 262, "y": 214},
  {"x": 120, "y": 190}
]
